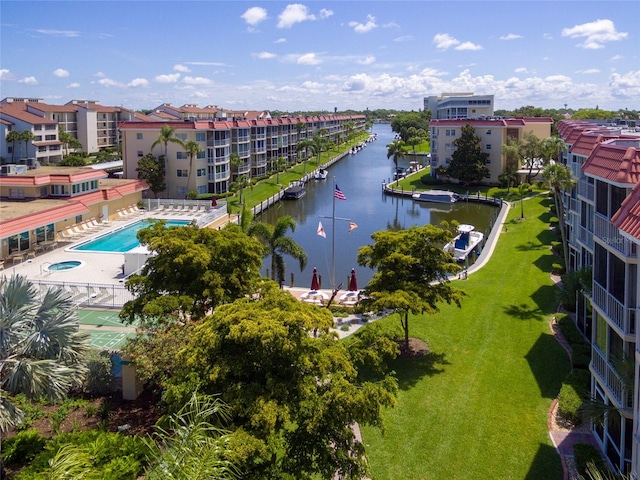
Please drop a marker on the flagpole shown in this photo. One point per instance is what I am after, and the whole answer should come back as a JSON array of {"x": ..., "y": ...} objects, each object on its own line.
[{"x": 333, "y": 237}]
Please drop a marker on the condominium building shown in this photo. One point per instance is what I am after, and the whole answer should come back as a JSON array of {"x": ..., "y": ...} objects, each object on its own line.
[
  {"x": 603, "y": 218},
  {"x": 95, "y": 126},
  {"x": 493, "y": 134},
  {"x": 258, "y": 140},
  {"x": 451, "y": 106}
]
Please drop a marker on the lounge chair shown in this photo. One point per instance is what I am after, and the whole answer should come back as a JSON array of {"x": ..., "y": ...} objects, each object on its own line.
[{"x": 71, "y": 233}]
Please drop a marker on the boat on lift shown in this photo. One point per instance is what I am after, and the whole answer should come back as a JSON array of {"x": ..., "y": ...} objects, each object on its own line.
[{"x": 467, "y": 241}]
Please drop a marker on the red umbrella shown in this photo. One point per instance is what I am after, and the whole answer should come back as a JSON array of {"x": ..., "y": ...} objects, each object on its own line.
[
  {"x": 214, "y": 203},
  {"x": 353, "y": 283},
  {"x": 315, "y": 285}
]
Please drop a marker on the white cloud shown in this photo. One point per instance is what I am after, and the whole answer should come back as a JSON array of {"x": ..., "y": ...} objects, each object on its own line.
[
  {"x": 468, "y": 46},
  {"x": 59, "y": 33},
  {"x": 324, "y": 13},
  {"x": 521, "y": 70},
  {"x": 595, "y": 34},
  {"x": 510, "y": 36},
  {"x": 28, "y": 81},
  {"x": 281, "y": 40},
  {"x": 206, "y": 64},
  {"x": 364, "y": 27},
  {"x": 292, "y": 14},
  {"x": 107, "y": 82},
  {"x": 444, "y": 41},
  {"x": 100, "y": 75},
  {"x": 60, "y": 73},
  {"x": 589, "y": 71},
  {"x": 264, "y": 55},
  {"x": 181, "y": 68},
  {"x": 167, "y": 78},
  {"x": 5, "y": 74},
  {"x": 254, "y": 15},
  {"x": 367, "y": 60},
  {"x": 196, "y": 81},
  {"x": 404, "y": 38},
  {"x": 308, "y": 59},
  {"x": 73, "y": 85},
  {"x": 615, "y": 58},
  {"x": 138, "y": 82},
  {"x": 627, "y": 85},
  {"x": 547, "y": 36}
]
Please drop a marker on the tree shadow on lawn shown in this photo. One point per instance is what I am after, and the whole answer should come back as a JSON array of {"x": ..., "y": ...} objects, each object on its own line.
[
  {"x": 409, "y": 371},
  {"x": 544, "y": 299},
  {"x": 546, "y": 464},
  {"x": 530, "y": 246},
  {"x": 549, "y": 364}
]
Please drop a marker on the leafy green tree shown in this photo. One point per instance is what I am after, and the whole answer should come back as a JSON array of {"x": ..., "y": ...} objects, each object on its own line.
[
  {"x": 531, "y": 151},
  {"x": 166, "y": 136},
  {"x": 522, "y": 189},
  {"x": 13, "y": 137},
  {"x": 396, "y": 150},
  {"x": 412, "y": 272},
  {"x": 152, "y": 170},
  {"x": 72, "y": 161},
  {"x": 280, "y": 163},
  {"x": 559, "y": 179},
  {"x": 415, "y": 137},
  {"x": 293, "y": 396},
  {"x": 320, "y": 144},
  {"x": 193, "y": 271},
  {"x": 513, "y": 159},
  {"x": 277, "y": 244},
  {"x": 468, "y": 161},
  {"x": 550, "y": 149},
  {"x": 402, "y": 122},
  {"x": 42, "y": 351},
  {"x": 193, "y": 149}
]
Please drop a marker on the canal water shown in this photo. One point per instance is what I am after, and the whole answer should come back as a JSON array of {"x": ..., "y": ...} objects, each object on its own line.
[{"x": 360, "y": 178}]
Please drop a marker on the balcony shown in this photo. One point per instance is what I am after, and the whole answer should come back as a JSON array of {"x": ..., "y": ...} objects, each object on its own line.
[
  {"x": 585, "y": 190},
  {"x": 585, "y": 237},
  {"x": 225, "y": 142},
  {"x": 610, "y": 379},
  {"x": 609, "y": 234},
  {"x": 617, "y": 314}
]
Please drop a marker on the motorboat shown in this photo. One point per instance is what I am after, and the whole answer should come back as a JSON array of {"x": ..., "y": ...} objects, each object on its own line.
[
  {"x": 436, "y": 196},
  {"x": 321, "y": 174},
  {"x": 467, "y": 241},
  {"x": 295, "y": 190}
]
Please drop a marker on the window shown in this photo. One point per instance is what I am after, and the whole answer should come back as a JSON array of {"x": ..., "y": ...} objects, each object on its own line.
[
  {"x": 201, "y": 154},
  {"x": 181, "y": 155},
  {"x": 140, "y": 153},
  {"x": 202, "y": 172},
  {"x": 182, "y": 136},
  {"x": 488, "y": 131},
  {"x": 488, "y": 146},
  {"x": 181, "y": 191},
  {"x": 138, "y": 136},
  {"x": 200, "y": 137},
  {"x": 16, "y": 193},
  {"x": 182, "y": 172}
]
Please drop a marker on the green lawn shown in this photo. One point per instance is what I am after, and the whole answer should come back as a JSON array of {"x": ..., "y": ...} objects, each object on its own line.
[{"x": 476, "y": 406}]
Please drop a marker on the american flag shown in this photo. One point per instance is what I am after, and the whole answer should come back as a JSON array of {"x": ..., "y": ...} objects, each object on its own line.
[{"x": 338, "y": 194}]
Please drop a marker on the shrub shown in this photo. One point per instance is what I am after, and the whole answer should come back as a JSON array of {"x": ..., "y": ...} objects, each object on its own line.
[
  {"x": 581, "y": 356},
  {"x": 23, "y": 447},
  {"x": 569, "y": 330},
  {"x": 585, "y": 453},
  {"x": 572, "y": 392},
  {"x": 557, "y": 268},
  {"x": 99, "y": 380}
]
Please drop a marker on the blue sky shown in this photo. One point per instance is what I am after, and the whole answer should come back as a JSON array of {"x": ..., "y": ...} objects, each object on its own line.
[{"x": 321, "y": 55}]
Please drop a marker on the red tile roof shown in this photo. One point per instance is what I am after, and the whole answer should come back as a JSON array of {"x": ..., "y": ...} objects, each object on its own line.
[
  {"x": 43, "y": 217},
  {"x": 627, "y": 218},
  {"x": 619, "y": 163}
]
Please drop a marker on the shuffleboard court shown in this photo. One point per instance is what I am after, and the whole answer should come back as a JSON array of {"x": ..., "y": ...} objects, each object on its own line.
[{"x": 106, "y": 330}]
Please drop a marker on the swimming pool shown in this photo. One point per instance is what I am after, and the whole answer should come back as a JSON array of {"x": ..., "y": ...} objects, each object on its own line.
[
  {"x": 121, "y": 240},
  {"x": 63, "y": 266}
]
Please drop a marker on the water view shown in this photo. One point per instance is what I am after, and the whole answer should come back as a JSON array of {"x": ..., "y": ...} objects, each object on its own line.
[{"x": 360, "y": 178}]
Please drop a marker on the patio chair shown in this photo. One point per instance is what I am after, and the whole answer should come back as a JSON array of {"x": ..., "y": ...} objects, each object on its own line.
[{"x": 70, "y": 233}]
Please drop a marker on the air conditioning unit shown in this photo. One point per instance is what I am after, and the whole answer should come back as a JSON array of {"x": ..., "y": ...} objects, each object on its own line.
[{"x": 12, "y": 169}]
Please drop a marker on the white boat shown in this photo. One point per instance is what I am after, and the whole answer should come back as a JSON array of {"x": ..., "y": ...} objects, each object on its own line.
[
  {"x": 321, "y": 174},
  {"x": 465, "y": 242},
  {"x": 436, "y": 196}
]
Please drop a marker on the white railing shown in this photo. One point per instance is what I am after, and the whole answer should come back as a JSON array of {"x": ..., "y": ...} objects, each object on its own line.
[
  {"x": 610, "y": 235},
  {"x": 586, "y": 190},
  {"x": 609, "y": 378},
  {"x": 613, "y": 309}
]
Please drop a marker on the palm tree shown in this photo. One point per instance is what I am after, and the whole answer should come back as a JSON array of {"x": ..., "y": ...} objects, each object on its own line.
[
  {"x": 12, "y": 137},
  {"x": 305, "y": 144},
  {"x": 277, "y": 244},
  {"x": 193, "y": 149},
  {"x": 167, "y": 135},
  {"x": 513, "y": 158},
  {"x": 27, "y": 136},
  {"x": 320, "y": 144},
  {"x": 279, "y": 163},
  {"x": 550, "y": 149},
  {"x": 396, "y": 149},
  {"x": 559, "y": 178},
  {"x": 42, "y": 352}
]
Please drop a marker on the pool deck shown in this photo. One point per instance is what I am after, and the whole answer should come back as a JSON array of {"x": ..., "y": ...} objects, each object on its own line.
[{"x": 101, "y": 268}]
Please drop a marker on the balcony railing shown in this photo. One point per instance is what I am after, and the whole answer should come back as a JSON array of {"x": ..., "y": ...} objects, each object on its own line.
[
  {"x": 610, "y": 235},
  {"x": 585, "y": 190},
  {"x": 226, "y": 142},
  {"x": 623, "y": 318},
  {"x": 585, "y": 236},
  {"x": 610, "y": 379}
]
